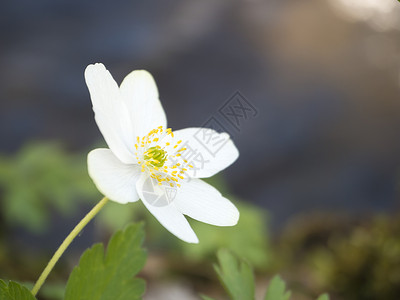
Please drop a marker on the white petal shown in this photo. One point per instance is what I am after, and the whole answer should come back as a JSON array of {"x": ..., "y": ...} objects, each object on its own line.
[
  {"x": 206, "y": 150},
  {"x": 140, "y": 95},
  {"x": 111, "y": 115},
  {"x": 114, "y": 179},
  {"x": 203, "y": 202},
  {"x": 168, "y": 215}
]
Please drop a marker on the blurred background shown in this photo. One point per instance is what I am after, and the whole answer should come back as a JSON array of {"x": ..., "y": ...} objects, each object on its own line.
[{"x": 312, "y": 88}]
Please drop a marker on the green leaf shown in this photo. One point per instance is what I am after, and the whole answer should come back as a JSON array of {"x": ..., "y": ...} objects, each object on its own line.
[
  {"x": 109, "y": 276},
  {"x": 39, "y": 179},
  {"x": 14, "y": 291},
  {"x": 237, "y": 277},
  {"x": 323, "y": 297},
  {"x": 251, "y": 230},
  {"x": 276, "y": 290}
]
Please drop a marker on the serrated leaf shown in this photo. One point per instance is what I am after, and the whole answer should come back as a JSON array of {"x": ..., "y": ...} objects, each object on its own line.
[
  {"x": 237, "y": 277},
  {"x": 276, "y": 290},
  {"x": 14, "y": 291},
  {"x": 110, "y": 276},
  {"x": 323, "y": 297}
]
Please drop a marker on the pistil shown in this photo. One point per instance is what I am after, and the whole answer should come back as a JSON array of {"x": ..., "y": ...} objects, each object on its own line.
[{"x": 152, "y": 155}]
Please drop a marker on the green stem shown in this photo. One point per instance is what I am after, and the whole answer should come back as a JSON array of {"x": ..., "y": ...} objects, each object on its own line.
[{"x": 68, "y": 240}]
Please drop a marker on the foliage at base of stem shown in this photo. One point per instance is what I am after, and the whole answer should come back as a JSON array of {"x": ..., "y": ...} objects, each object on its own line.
[
  {"x": 238, "y": 280},
  {"x": 14, "y": 291},
  {"x": 110, "y": 275}
]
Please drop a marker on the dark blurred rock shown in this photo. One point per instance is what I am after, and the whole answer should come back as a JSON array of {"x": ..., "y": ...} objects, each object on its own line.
[{"x": 326, "y": 132}]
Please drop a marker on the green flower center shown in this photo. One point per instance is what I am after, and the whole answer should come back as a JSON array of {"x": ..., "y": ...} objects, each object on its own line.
[{"x": 155, "y": 156}]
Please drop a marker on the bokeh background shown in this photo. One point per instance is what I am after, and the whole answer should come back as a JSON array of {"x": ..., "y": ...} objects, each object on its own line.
[{"x": 319, "y": 150}]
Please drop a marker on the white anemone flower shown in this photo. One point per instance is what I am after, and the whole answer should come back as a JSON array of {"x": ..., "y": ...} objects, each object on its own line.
[{"x": 147, "y": 161}]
